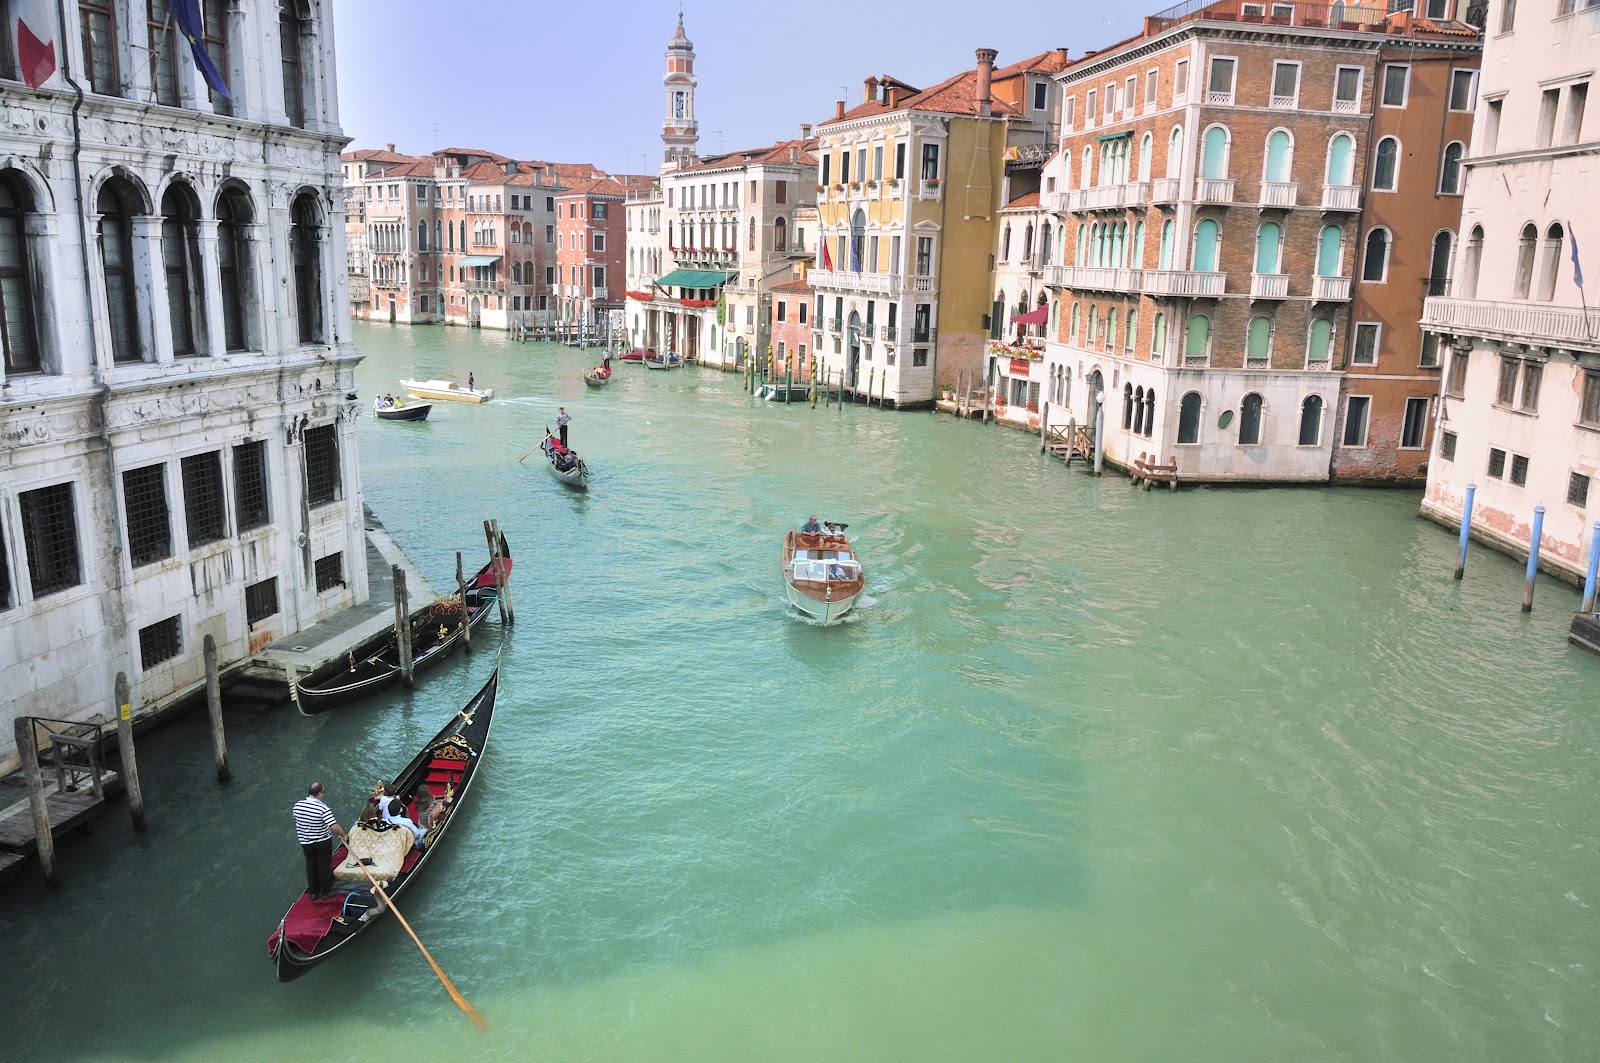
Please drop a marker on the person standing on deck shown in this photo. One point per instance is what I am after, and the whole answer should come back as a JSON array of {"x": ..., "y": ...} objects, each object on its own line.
[
  {"x": 562, "y": 417},
  {"x": 315, "y": 826},
  {"x": 472, "y": 385}
]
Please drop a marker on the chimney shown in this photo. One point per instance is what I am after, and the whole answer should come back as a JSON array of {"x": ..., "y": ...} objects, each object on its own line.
[
  {"x": 893, "y": 95},
  {"x": 794, "y": 155},
  {"x": 838, "y": 109},
  {"x": 985, "y": 73},
  {"x": 805, "y": 130},
  {"x": 869, "y": 90},
  {"x": 391, "y": 149}
]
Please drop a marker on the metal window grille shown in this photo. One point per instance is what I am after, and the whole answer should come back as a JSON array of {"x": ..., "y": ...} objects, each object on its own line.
[
  {"x": 250, "y": 485},
  {"x": 330, "y": 572},
  {"x": 1577, "y": 494},
  {"x": 1497, "y": 463},
  {"x": 1519, "y": 470},
  {"x": 203, "y": 503},
  {"x": 322, "y": 464},
  {"x": 159, "y": 642},
  {"x": 1447, "y": 446},
  {"x": 149, "y": 529},
  {"x": 50, "y": 537},
  {"x": 261, "y": 600}
]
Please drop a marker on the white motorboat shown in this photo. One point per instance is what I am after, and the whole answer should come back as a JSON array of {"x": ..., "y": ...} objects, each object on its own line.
[
  {"x": 447, "y": 390},
  {"x": 821, "y": 575}
]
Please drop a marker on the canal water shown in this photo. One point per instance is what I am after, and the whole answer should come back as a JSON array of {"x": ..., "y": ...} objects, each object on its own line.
[{"x": 1092, "y": 773}]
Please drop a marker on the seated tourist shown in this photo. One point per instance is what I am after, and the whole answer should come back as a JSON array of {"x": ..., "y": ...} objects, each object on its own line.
[
  {"x": 396, "y": 814},
  {"x": 429, "y": 809},
  {"x": 811, "y": 525}
]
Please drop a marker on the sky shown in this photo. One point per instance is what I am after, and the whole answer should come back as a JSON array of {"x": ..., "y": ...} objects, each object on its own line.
[{"x": 581, "y": 82}]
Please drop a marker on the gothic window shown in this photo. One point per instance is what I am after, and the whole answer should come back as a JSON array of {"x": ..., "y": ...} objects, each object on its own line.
[
  {"x": 17, "y": 311},
  {"x": 180, "y": 259},
  {"x": 293, "y": 20},
  {"x": 118, "y": 203},
  {"x": 305, "y": 252}
]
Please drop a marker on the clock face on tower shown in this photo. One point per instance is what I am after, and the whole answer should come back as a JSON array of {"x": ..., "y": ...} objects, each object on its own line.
[{"x": 677, "y": 105}]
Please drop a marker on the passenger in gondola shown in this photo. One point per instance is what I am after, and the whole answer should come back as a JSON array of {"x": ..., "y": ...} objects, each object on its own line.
[
  {"x": 811, "y": 526},
  {"x": 396, "y": 814},
  {"x": 429, "y": 809}
]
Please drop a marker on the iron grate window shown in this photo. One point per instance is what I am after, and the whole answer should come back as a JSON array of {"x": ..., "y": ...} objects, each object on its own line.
[
  {"x": 260, "y": 600},
  {"x": 159, "y": 642},
  {"x": 322, "y": 464},
  {"x": 250, "y": 485},
  {"x": 1497, "y": 462},
  {"x": 1577, "y": 495},
  {"x": 145, "y": 497},
  {"x": 1519, "y": 470},
  {"x": 203, "y": 504},
  {"x": 50, "y": 536},
  {"x": 1447, "y": 446},
  {"x": 330, "y": 572}
]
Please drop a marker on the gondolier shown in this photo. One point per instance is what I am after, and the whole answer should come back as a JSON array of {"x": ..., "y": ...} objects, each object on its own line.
[
  {"x": 562, "y": 417},
  {"x": 315, "y": 826}
]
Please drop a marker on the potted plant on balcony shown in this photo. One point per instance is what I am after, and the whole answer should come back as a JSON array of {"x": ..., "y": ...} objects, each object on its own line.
[
  {"x": 932, "y": 182},
  {"x": 872, "y": 186}
]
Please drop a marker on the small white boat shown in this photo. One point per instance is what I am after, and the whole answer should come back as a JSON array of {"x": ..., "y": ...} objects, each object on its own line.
[
  {"x": 821, "y": 575},
  {"x": 448, "y": 390}
]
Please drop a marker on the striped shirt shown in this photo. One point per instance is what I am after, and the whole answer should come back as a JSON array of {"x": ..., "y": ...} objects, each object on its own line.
[{"x": 313, "y": 820}]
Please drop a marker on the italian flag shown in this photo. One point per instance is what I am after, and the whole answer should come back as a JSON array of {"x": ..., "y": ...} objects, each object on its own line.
[{"x": 33, "y": 38}]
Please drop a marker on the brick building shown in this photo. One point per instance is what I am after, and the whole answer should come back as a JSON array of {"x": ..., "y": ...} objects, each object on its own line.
[
  {"x": 789, "y": 328},
  {"x": 591, "y": 250}
]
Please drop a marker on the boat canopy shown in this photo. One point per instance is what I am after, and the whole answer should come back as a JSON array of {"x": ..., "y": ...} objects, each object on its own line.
[{"x": 823, "y": 571}]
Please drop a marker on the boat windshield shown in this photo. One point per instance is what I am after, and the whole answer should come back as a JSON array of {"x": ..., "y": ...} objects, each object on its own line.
[{"x": 826, "y": 571}]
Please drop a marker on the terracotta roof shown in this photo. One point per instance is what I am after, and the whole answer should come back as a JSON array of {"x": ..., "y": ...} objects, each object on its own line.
[
  {"x": 377, "y": 155},
  {"x": 491, "y": 155},
  {"x": 415, "y": 168},
  {"x": 1051, "y": 62},
  {"x": 799, "y": 284},
  {"x": 602, "y": 186},
  {"x": 954, "y": 95},
  {"x": 1027, "y": 199},
  {"x": 773, "y": 153}
]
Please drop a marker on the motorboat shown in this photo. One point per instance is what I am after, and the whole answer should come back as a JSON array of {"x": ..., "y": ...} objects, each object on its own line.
[
  {"x": 400, "y": 410},
  {"x": 447, "y": 390},
  {"x": 822, "y": 576}
]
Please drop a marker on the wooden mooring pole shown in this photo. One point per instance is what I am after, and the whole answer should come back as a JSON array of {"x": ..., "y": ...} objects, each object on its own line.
[
  {"x": 219, "y": 741},
  {"x": 491, "y": 530},
  {"x": 125, "y": 753},
  {"x": 461, "y": 588},
  {"x": 28, "y": 755},
  {"x": 402, "y": 623}
]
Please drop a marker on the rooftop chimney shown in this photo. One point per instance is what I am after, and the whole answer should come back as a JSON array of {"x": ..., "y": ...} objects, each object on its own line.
[
  {"x": 985, "y": 73},
  {"x": 805, "y": 130},
  {"x": 893, "y": 95},
  {"x": 869, "y": 92},
  {"x": 838, "y": 109},
  {"x": 391, "y": 148}
]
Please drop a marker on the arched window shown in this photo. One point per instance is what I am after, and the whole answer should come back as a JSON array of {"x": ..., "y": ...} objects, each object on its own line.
[
  {"x": 1168, "y": 231},
  {"x": 1094, "y": 325},
  {"x": 451, "y": 233},
  {"x": 858, "y": 239},
  {"x": 1083, "y": 172},
  {"x": 1250, "y": 420},
  {"x": 1439, "y": 262},
  {"x": 1158, "y": 336},
  {"x": 1527, "y": 244},
  {"x": 1341, "y": 160},
  {"x": 1330, "y": 249},
  {"x": 1550, "y": 261},
  {"x": 1083, "y": 235},
  {"x": 1280, "y": 153},
  {"x": 1075, "y": 312},
  {"x": 1471, "y": 263},
  {"x": 1131, "y": 332},
  {"x": 1214, "y": 153},
  {"x": 1258, "y": 340},
  {"x": 1175, "y": 152},
  {"x": 780, "y": 234},
  {"x": 1027, "y": 242},
  {"x": 293, "y": 23},
  {"x": 118, "y": 203},
  {"x": 1375, "y": 263},
  {"x": 1197, "y": 339},
  {"x": 305, "y": 252},
  {"x": 516, "y": 273},
  {"x": 1189, "y": 418},
  {"x": 1450, "y": 170},
  {"x": 180, "y": 261},
  {"x": 1044, "y": 244},
  {"x": 1127, "y": 407},
  {"x": 422, "y": 236},
  {"x": 18, "y": 331},
  {"x": 1311, "y": 421},
  {"x": 1146, "y": 149},
  {"x": 1386, "y": 165},
  {"x": 1055, "y": 318},
  {"x": 1205, "y": 246},
  {"x": 1319, "y": 345},
  {"x": 1111, "y": 329},
  {"x": 1269, "y": 248},
  {"x": 1149, "y": 412},
  {"x": 463, "y": 242},
  {"x": 1138, "y": 245},
  {"x": 1005, "y": 243}
]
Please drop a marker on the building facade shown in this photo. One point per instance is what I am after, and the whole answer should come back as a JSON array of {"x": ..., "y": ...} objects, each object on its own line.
[
  {"x": 177, "y": 399},
  {"x": 591, "y": 249},
  {"x": 790, "y": 329},
  {"x": 1520, "y": 406}
]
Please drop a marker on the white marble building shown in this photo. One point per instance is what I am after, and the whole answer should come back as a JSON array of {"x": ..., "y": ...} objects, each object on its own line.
[{"x": 177, "y": 456}]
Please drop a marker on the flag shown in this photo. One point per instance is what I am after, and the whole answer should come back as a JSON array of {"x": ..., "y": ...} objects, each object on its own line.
[
  {"x": 827, "y": 259},
  {"x": 1577, "y": 267},
  {"x": 34, "y": 40},
  {"x": 186, "y": 13}
]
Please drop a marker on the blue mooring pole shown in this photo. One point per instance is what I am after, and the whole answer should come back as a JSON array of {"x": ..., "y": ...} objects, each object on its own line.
[
  {"x": 1466, "y": 529},
  {"x": 1594, "y": 569},
  {"x": 1533, "y": 558}
]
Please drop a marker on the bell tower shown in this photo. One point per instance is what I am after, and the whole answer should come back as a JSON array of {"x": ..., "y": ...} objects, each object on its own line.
[{"x": 680, "y": 130}]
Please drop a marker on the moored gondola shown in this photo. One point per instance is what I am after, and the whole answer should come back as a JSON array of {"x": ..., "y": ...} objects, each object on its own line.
[
  {"x": 435, "y": 631},
  {"x": 313, "y": 930}
]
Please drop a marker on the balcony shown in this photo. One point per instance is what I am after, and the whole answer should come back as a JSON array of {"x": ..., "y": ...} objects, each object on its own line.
[
  {"x": 1135, "y": 193},
  {"x": 1105, "y": 197},
  {"x": 881, "y": 283},
  {"x": 1330, "y": 289},
  {"x": 1280, "y": 193},
  {"x": 888, "y": 333},
  {"x": 1269, "y": 286},
  {"x": 929, "y": 188},
  {"x": 1341, "y": 197},
  {"x": 1517, "y": 323},
  {"x": 833, "y": 326},
  {"x": 1186, "y": 283},
  {"x": 922, "y": 284},
  {"x": 1213, "y": 190},
  {"x": 1283, "y": 103},
  {"x": 1095, "y": 279},
  {"x": 923, "y": 335},
  {"x": 1219, "y": 99},
  {"x": 1164, "y": 190},
  {"x": 1055, "y": 202}
]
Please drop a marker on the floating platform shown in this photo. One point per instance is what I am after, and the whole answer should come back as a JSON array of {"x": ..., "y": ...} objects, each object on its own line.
[{"x": 1585, "y": 631}]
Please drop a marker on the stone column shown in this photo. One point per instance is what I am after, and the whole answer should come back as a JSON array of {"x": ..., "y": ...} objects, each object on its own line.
[
  {"x": 215, "y": 342},
  {"x": 150, "y": 284}
]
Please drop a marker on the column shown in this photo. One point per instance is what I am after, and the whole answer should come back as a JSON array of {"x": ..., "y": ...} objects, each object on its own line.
[{"x": 215, "y": 342}]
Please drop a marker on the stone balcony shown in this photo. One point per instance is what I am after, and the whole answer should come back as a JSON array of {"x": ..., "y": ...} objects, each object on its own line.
[
  {"x": 1092, "y": 278},
  {"x": 1269, "y": 286},
  {"x": 1180, "y": 282},
  {"x": 1213, "y": 190},
  {"x": 1109, "y": 197},
  {"x": 1528, "y": 324},
  {"x": 1164, "y": 190},
  {"x": 1280, "y": 193},
  {"x": 1055, "y": 202},
  {"x": 1341, "y": 197},
  {"x": 1330, "y": 289}
]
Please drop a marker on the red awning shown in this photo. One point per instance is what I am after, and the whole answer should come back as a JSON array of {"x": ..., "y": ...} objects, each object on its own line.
[{"x": 1032, "y": 317}]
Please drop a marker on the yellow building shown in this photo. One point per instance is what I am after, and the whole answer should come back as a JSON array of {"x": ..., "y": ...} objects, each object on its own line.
[{"x": 908, "y": 190}]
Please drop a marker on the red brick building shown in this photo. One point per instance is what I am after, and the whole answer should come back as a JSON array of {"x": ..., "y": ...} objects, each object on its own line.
[
  {"x": 591, "y": 251},
  {"x": 790, "y": 328}
]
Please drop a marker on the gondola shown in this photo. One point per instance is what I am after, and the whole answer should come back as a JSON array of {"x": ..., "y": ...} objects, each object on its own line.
[
  {"x": 598, "y": 377},
  {"x": 653, "y": 360},
  {"x": 638, "y": 354},
  {"x": 573, "y": 472},
  {"x": 323, "y": 689},
  {"x": 311, "y": 931}
]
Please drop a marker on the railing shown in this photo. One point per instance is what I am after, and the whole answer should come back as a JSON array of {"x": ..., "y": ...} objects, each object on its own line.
[
  {"x": 1054, "y": 202},
  {"x": 1219, "y": 99},
  {"x": 1341, "y": 197},
  {"x": 886, "y": 283},
  {"x": 1346, "y": 106},
  {"x": 888, "y": 333},
  {"x": 1280, "y": 193},
  {"x": 1320, "y": 15},
  {"x": 1283, "y": 103},
  {"x": 1515, "y": 322},
  {"x": 833, "y": 325},
  {"x": 929, "y": 189},
  {"x": 1135, "y": 193},
  {"x": 1330, "y": 289},
  {"x": 1164, "y": 190},
  {"x": 1183, "y": 283},
  {"x": 1213, "y": 190},
  {"x": 923, "y": 335},
  {"x": 1105, "y": 197},
  {"x": 922, "y": 284},
  {"x": 1097, "y": 278},
  {"x": 1438, "y": 285},
  {"x": 1269, "y": 286}
]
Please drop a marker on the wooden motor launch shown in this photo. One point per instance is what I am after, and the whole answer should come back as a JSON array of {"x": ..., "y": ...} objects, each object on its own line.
[
  {"x": 822, "y": 577},
  {"x": 448, "y": 390}
]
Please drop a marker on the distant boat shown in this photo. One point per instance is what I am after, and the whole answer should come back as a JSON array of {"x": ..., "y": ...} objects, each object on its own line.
[
  {"x": 821, "y": 575},
  {"x": 564, "y": 464},
  {"x": 652, "y": 360},
  {"x": 637, "y": 355},
  {"x": 402, "y": 411},
  {"x": 446, "y": 389},
  {"x": 598, "y": 377}
]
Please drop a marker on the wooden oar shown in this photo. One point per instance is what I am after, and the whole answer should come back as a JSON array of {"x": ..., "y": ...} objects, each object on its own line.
[
  {"x": 529, "y": 451},
  {"x": 455, "y": 994}
]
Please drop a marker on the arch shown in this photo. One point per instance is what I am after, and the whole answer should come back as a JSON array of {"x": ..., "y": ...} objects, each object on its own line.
[
  {"x": 1138, "y": 245},
  {"x": 1375, "y": 259},
  {"x": 1386, "y": 165},
  {"x": 1269, "y": 248},
  {"x": 305, "y": 253},
  {"x": 1206, "y": 238},
  {"x": 1214, "y": 152},
  {"x": 1450, "y": 169},
  {"x": 1439, "y": 261},
  {"x": 1146, "y": 150},
  {"x": 780, "y": 234},
  {"x": 1094, "y": 325},
  {"x": 1127, "y": 406},
  {"x": 1055, "y": 318},
  {"x": 1149, "y": 412},
  {"x": 1175, "y": 152},
  {"x": 119, "y": 201},
  {"x": 1044, "y": 242},
  {"x": 1189, "y": 418},
  {"x": 1527, "y": 245},
  {"x": 1111, "y": 329},
  {"x": 1131, "y": 330},
  {"x": 1197, "y": 339},
  {"x": 1258, "y": 339},
  {"x": 1250, "y": 420},
  {"x": 462, "y": 244},
  {"x": 1075, "y": 322},
  {"x": 1280, "y": 156},
  {"x": 422, "y": 236},
  {"x": 1319, "y": 342},
  {"x": 1158, "y": 335},
  {"x": 1083, "y": 235},
  {"x": 1311, "y": 421},
  {"x": 180, "y": 262},
  {"x": 1330, "y": 251},
  {"x": 516, "y": 273},
  {"x": 1168, "y": 231},
  {"x": 1005, "y": 243},
  {"x": 1341, "y": 168},
  {"x": 1550, "y": 261},
  {"x": 1471, "y": 264},
  {"x": 1084, "y": 170},
  {"x": 1027, "y": 242},
  {"x": 19, "y": 334}
]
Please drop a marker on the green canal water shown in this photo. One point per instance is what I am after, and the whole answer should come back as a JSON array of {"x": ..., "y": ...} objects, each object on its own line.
[{"x": 1092, "y": 774}]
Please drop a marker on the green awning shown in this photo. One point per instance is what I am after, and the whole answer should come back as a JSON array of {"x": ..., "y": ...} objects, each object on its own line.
[
  {"x": 1116, "y": 136},
  {"x": 694, "y": 278},
  {"x": 479, "y": 260}
]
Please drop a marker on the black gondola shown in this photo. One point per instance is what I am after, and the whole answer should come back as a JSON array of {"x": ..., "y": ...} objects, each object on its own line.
[
  {"x": 311, "y": 931},
  {"x": 339, "y": 683}
]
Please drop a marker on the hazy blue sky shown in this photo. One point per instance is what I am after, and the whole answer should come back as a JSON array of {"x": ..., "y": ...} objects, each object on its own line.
[{"x": 579, "y": 82}]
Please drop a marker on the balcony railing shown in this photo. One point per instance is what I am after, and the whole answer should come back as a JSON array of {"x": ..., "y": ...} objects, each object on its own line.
[
  {"x": 922, "y": 284},
  {"x": 1331, "y": 289},
  {"x": 1213, "y": 190},
  {"x": 1283, "y": 103},
  {"x": 888, "y": 333},
  {"x": 833, "y": 325},
  {"x": 1135, "y": 193},
  {"x": 1279, "y": 193},
  {"x": 925, "y": 335},
  {"x": 1095, "y": 278},
  {"x": 1164, "y": 190},
  {"x": 929, "y": 189},
  {"x": 1183, "y": 283},
  {"x": 885, "y": 283},
  {"x": 1219, "y": 99},
  {"x": 1269, "y": 286},
  {"x": 1341, "y": 197},
  {"x": 1055, "y": 202},
  {"x": 1521, "y": 323}
]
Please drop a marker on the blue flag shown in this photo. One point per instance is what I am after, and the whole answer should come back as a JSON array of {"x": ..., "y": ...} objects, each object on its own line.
[
  {"x": 1577, "y": 267},
  {"x": 186, "y": 13}
]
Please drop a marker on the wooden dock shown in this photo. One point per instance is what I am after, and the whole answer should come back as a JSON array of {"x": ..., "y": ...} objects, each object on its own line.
[{"x": 71, "y": 812}]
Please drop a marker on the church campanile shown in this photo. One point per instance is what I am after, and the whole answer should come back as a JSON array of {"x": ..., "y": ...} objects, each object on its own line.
[{"x": 680, "y": 130}]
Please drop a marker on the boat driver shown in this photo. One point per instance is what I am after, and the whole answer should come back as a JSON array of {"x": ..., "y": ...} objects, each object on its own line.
[{"x": 811, "y": 526}]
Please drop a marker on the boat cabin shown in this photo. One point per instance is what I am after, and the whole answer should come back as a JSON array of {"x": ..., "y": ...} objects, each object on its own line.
[{"x": 825, "y": 565}]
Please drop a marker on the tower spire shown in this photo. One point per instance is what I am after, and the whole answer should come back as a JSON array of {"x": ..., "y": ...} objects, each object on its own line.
[{"x": 680, "y": 130}]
